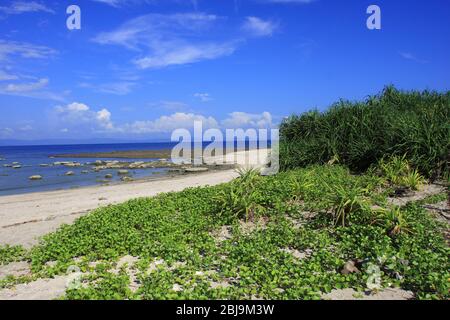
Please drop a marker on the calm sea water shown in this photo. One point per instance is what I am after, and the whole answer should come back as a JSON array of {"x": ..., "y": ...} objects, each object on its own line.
[{"x": 15, "y": 181}]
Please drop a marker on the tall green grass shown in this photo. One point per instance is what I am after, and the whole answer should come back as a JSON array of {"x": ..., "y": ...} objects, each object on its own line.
[{"x": 358, "y": 134}]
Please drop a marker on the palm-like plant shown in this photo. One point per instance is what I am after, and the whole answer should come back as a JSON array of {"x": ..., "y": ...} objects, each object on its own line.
[
  {"x": 346, "y": 201},
  {"x": 241, "y": 198},
  {"x": 413, "y": 180},
  {"x": 393, "y": 220}
]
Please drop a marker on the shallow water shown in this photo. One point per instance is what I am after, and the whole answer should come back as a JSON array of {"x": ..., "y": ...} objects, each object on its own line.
[{"x": 16, "y": 181}]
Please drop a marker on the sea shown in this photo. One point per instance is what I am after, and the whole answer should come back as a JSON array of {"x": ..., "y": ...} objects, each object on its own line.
[{"x": 30, "y": 158}]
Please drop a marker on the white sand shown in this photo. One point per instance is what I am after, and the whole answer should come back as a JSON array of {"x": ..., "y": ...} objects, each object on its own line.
[{"x": 26, "y": 217}]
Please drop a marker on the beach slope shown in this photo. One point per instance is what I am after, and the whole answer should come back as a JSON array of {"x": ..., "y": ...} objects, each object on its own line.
[{"x": 26, "y": 217}]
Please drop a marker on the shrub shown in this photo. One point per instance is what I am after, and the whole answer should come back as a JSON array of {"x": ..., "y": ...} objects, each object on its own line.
[{"x": 359, "y": 134}]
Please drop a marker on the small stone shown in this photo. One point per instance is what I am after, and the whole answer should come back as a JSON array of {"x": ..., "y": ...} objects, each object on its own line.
[
  {"x": 36, "y": 177},
  {"x": 219, "y": 285},
  {"x": 349, "y": 267},
  {"x": 177, "y": 288},
  {"x": 122, "y": 172},
  {"x": 51, "y": 263},
  {"x": 108, "y": 176}
]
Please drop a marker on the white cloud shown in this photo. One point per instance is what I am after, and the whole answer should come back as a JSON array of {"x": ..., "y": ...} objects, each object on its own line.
[
  {"x": 24, "y": 50},
  {"x": 410, "y": 56},
  {"x": 26, "y": 87},
  {"x": 113, "y": 3},
  {"x": 166, "y": 124},
  {"x": 80, "y": 115},
  {"x": 104, "y": 119},
  {"x": 165, "y": 40},
  {"x": 36, "y": 90},
  {"x": 247, "y": 120},
  {"x": 258, "y": 27},
  {"x": 4, "y": 76},
  {"x": 26, "y": 128},
  {"x": 204, "y": 97},
  {"x": 6, "y": 132},
  {"x": 184, "y": 54},
  {"x": 18, "y": 7},
  {"x": 121, "y": 3},
  {"x": 287, "y": 1},
  {"x": 74, "y": 107},
  {"x": 173, "y": 106},
  {"x": 117, "y": 88}
]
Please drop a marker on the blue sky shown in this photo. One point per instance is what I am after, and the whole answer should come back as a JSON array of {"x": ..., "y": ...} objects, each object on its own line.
[{"x": 138, "y": 69}]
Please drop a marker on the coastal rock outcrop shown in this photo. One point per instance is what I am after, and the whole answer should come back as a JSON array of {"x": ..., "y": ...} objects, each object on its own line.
[
  {"x": 72, "y": 164},
  {"x": 195, "y": 169},
  {"x": 102, "y": 165}
]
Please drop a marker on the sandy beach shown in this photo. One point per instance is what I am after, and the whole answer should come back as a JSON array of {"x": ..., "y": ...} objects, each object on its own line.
[{"x": 26, "y": 217}]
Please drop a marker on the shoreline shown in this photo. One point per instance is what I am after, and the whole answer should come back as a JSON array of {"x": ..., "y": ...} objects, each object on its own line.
[
  {"x": 101, "y": 168},
  {"x": 24, "y": 218}
]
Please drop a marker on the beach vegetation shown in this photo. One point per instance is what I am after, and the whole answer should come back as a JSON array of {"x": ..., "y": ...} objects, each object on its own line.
[{"x": 305, "y": 224}]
